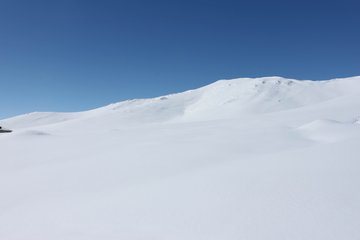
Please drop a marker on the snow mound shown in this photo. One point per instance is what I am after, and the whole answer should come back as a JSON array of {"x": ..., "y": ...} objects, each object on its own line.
[
  {"x": 32, "y": 133},
  {"x": 326, "y": 130}
]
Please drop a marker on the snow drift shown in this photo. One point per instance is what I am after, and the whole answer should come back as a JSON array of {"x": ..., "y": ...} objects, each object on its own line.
[{"x": 264, "y": 158}]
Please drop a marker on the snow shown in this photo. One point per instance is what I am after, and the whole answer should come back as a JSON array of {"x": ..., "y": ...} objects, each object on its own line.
[{"x": 265, "y": 158}]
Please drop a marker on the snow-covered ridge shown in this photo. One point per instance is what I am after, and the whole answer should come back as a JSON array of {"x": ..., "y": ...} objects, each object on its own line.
[{"x": 222, "y": 99}]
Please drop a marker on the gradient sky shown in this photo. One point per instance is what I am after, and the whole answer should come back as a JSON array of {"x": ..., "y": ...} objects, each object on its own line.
[{"x": 72, "y": 55}]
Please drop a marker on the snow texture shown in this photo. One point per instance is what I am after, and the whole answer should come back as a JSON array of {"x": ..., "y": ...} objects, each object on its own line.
[{"x": 265, "y": 158}]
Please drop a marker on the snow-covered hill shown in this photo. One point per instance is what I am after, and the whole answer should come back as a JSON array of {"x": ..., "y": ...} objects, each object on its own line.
[
  {"x": 220, "y": 100},
  {"x": 265, "y": 158}
]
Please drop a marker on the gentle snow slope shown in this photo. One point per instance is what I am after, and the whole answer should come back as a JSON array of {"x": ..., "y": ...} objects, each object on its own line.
[{"x": 266, "y": 158}]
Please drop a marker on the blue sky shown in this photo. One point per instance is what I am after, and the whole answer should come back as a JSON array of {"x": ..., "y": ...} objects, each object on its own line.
[{"x": 74, "y": 55}]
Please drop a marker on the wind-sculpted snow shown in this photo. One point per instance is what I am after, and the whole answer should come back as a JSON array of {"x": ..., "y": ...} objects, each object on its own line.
[{"x": 266, "y": 158}]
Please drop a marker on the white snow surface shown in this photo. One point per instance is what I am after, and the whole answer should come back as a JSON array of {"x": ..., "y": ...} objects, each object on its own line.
[{"x": 253, "y": 159}]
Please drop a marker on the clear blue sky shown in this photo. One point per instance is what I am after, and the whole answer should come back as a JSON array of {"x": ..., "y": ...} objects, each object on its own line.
[{"x": 72, "y": 55}]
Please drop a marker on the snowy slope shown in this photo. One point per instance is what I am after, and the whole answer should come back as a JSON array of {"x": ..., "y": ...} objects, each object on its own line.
[{"x": 265, "y": 158}]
